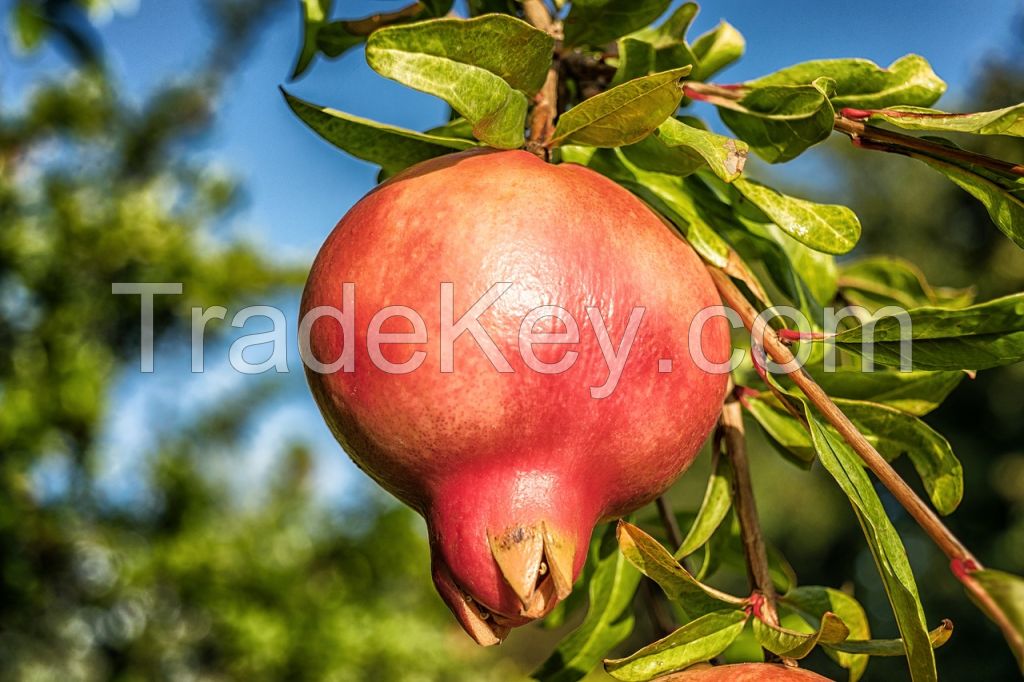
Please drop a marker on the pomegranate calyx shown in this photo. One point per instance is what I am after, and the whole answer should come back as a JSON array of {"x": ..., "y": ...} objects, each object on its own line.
[
  {"x": 537, "y": 563},
  {"x": 475, "y": 620}
]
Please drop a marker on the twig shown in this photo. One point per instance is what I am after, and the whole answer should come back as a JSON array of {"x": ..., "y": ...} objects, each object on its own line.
[
  {"x": 962, "y": 562},
  {"x": 864, "y": 135},
  {"x": 735, "y": 442},
  {"x": 545, "y": 102},
  {"x": 367, "y": 25},
  {"x": 657, "y": 608},
  {"x": 898, "y": 143},
  {"x": 668, "y": 520},
  {"x": 780, "y": 353}
]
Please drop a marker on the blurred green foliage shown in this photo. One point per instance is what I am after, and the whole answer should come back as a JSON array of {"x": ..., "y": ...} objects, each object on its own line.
[{"x": 194, "y": 583}]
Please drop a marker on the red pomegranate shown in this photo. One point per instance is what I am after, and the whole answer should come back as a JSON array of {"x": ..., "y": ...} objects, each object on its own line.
[
  {"x": 511, "y": 425},
  {"x": 746, "y": 672}
]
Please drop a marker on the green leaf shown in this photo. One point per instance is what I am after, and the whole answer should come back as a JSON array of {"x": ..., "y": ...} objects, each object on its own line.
[
  {"x": 980, "y": 336},
  {"x": 698, "y": 640},
  {"x": 886, "y": 546},
  {"x": 916, "y": 393},
  {"x": 879, "y": 281},
  {"x": 792, "y": 644},
  {"x": 828, "y": 228},
  {"x": 806, "y": 276},
  {"x": 597, "y": 22},
  {"x": 816, "y": 270},
  {"x": 1007, "y": 591},
  {"x": 784, "y": 430},
  {"x": 863, "y": 84},
  {"x": 1005, "y": 121},
  {"x": 314, "y": 15},
  {"x": 623, "y": 114},
  {"x": 636, "y": 59},
  {"x": 393, "y": 149},
  {"x": 478, "y": 7},
  {"x": 658, "y": 564},
  {"x": 780, "y": 122},
  {"x": 28, "y": 27},
  {"x": 726, "y": 550},
  {"x": 724, "y": 155},
  {"x": 713, "y": 508},
  {"x": 437, "y": 8},
  {"x": 895, "y": 433},
  {"x": 669, "y": 39},
  {"x": 485, "y": 68},
  {"x": 1004, "y": 204},
  {"x": 609, "y": 618},
  {"x": 812, "y": 603},
  {"x": 459, "y": 128},
  {"x": 337, "y": 37},
  {"x": 717, "y": 49},
  {"x": 891, "y": 647}
]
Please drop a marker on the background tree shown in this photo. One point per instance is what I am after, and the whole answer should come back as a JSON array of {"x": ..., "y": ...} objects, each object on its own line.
[{"x": 188, "y": 579}]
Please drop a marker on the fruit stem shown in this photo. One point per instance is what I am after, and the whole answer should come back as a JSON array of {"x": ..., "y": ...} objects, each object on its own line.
[
  {"x": 735, "y": 444},
  {"x": 545, "y": 102}
]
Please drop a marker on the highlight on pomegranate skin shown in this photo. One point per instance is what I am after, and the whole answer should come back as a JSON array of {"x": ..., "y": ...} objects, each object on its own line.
[
  {"x": 514, "y": 359},
  {"x": 746, "y": 672}
]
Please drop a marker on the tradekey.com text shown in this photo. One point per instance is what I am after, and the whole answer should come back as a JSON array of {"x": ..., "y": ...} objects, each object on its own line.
[{"x": 553, "y": 351}]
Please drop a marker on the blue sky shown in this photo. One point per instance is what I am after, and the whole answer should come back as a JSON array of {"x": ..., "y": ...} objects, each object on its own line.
[{"x": 298, "y": 186}]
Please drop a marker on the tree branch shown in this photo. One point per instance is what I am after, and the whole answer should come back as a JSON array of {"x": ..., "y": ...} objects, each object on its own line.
[
  {"x": 962, "y": 562},
  {"x": 864, "y": 135},
  {"x": 780, "y": 353},
  {"x": 545, "y": 102}
]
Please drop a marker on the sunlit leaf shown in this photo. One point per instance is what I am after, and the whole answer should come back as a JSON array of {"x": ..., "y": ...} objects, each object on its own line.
[
  {"x": 1004, "y": 202},
  {"x": 863, "y": 84},
  {"x": 717, "y": 49},
  {"x": 785, "y": 431},
  {"x": 1005, "y": 121},
  {"x": 314, "y": 15},
  {"x": 698, "y": 640},
  {"x": 391, "y": 148},
  {"x": 668, "y": 40},
  {"x": 658, "y": 564},
  {"x": 485, "y": 68},
  {"x": 713, "y": 508},
  {"x": 667, "y": 194},
  {"x": 792, "y": 644},
  {"x": 895, "y": 433},
  {"x": 891, "y": 647},
  {"x": 980, "y": 336},
  {"x": 812, "y": 603},
  {"x": 636, "y": 59},
  {"x": 879, "y": 281},
  {"x": 609, "y": 618},
  {"x": 724, "y": 155},
  {"x": 780, "y": 122},
  {"x": 623, "y": 114},
  {"x": 916, "y": 393},
  {"x": 886, "y": 546},
  {"x": 1007, "y": 593},
  {"x": 828, "y": 228},
  {"x": 597, "y": 22}
]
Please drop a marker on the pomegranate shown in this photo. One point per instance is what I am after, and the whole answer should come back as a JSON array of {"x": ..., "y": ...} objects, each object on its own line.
[
  {"x": 746, "y": 672},
  {"x": 512, "y": 357}
]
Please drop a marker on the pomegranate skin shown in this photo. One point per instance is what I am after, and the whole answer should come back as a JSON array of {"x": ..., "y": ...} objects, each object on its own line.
[
  {"x": 746, "y": 672},
  {"x": 512, "y": 469}
]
